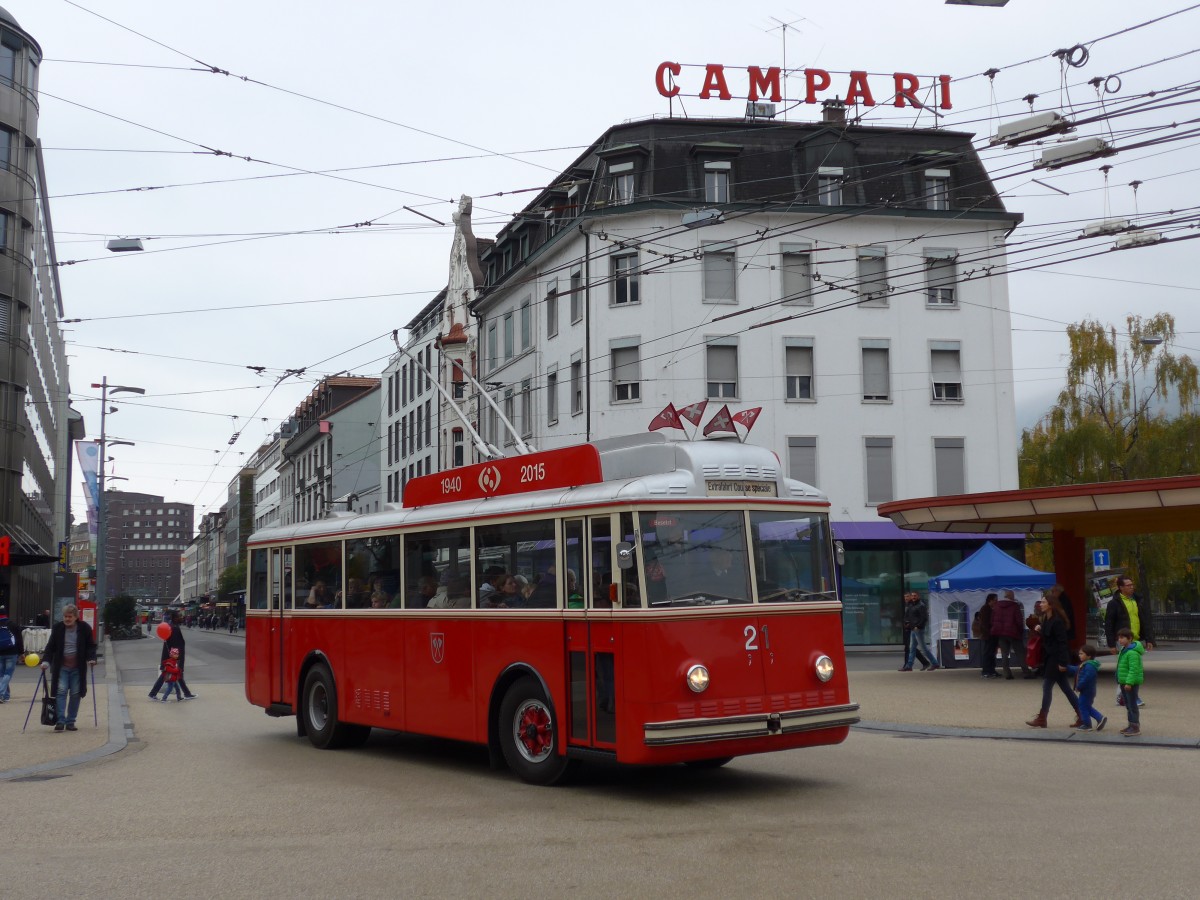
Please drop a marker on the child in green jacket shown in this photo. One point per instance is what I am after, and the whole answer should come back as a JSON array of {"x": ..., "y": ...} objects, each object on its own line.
[{"x": 1130, "y": 676}]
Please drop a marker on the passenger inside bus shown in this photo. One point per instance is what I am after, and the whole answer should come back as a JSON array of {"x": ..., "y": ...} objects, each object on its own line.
[
  {"x": 427, "y": 590},
  {"x": 379, "y": 600},
  {"x": 574, "y": 598},
  {"x": 510, "y": 592},
  {"x": 489, "y": 591}
]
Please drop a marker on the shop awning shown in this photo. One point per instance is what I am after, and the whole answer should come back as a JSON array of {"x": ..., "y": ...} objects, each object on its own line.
[{"x": 23, "y": 549}]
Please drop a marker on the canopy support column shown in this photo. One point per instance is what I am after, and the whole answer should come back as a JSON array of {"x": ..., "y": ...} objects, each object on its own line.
[{"x": 1069, "y": 562}]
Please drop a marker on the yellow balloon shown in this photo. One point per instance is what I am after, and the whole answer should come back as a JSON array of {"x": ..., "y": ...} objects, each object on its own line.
[{"x": 32, "y": 660}]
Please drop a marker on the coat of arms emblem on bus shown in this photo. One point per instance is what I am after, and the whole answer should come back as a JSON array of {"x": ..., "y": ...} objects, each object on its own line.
[
  {"x": 489, "y": 479},
  {"x": 437, "y": 646}
]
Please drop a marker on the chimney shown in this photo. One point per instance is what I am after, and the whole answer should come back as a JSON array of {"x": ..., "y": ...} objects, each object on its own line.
[{"x": 833, "y": 112}]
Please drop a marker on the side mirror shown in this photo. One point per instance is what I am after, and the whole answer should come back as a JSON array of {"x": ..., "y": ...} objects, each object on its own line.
[
  {"x": 624, "y": 555},
  {"x": 839, "y": 553}
]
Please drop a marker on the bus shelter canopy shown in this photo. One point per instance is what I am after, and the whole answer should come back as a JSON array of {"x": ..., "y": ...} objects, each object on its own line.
[{"x": 1143, "y": 506}]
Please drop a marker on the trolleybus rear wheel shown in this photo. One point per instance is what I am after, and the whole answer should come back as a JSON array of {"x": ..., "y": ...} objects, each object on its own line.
[
  {"x": 318, "y": 706},
  {"x": 529, "y": 734}
]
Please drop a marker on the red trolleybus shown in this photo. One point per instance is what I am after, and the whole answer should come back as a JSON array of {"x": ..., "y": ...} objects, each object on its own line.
[{"x": 631, "y": 599}]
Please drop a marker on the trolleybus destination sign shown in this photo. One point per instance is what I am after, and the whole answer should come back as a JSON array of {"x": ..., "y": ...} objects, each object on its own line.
[{"x": 564, "y": 468}]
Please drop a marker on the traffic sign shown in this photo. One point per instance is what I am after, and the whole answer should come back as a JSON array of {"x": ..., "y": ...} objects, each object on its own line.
[{"x": 1100, "y": 560}]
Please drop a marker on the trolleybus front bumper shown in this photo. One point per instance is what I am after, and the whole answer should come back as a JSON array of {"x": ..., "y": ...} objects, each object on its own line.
[{"x": 691, "y": 731}]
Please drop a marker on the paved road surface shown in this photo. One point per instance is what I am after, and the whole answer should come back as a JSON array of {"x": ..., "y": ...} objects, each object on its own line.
[{"x": 215, "y": 799}]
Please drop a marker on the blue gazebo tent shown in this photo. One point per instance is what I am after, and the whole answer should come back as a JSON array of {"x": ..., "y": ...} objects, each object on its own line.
[
  {"x": 989, "y": 568},
  {"x": 956, "y": 594}
]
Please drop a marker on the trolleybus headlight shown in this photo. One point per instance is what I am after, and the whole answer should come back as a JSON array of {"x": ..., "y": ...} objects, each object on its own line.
[
  {"x": 697, "y": 679},
  {"x": 824, "y": 668}
]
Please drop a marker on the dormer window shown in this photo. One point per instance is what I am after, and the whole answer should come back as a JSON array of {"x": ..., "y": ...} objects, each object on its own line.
[
  {"x": 716, "y": 181},
  {"x": 623, "y": 184},
  {"x": 937, "y": 189},
  {"x": 830, "y": 180}
]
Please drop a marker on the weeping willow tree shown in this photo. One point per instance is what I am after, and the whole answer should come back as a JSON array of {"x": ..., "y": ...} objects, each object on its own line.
[{"x": 1129, "y": 410}]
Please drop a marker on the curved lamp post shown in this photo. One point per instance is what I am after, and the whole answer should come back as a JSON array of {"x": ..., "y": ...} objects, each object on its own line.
[{"x": 101, "y": 504}]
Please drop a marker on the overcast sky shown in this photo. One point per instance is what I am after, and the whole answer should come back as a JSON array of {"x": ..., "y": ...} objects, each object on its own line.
[{"x": 492, "y": 100}]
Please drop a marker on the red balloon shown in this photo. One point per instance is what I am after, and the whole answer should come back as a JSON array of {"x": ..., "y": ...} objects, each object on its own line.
[{"x": 163, "y": 630}]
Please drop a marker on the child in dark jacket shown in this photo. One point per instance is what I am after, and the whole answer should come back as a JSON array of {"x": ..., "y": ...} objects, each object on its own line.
[
  {"x": 1085, "y": 687},
  {"x": 171, "y": 673}
]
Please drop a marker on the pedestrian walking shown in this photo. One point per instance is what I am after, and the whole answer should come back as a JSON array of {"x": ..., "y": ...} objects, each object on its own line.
[
  {"x": 10, "y": 651},
  {"x": 174, "y": 642},
  {"x": 916, "y": 618},
  {"x": 1128, "y": 610},
  {"x": 1130, "y": 676},
  {"x": 69, "y": 651},
  {"x": 1086, "y": 674},
  {"x": 1052, "y": 628},
  {"x": 171, "y": 676}
]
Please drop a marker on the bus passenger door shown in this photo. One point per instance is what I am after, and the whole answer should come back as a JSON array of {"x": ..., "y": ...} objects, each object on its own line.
[
  {"x": 592, "y": 645},
  {"x": 281, "y": 601}
]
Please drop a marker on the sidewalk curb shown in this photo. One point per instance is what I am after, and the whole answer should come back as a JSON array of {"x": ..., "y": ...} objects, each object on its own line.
[
  {"x": 1033, "y": 734},
  {"x": 120, "y": 727}
]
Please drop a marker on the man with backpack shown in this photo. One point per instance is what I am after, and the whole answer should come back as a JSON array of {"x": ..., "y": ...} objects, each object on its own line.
[{"x": 10, "y": 652}]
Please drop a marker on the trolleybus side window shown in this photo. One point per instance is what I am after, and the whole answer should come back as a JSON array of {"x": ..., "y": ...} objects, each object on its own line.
[
  {"x": 259, "y": 587},
  {"x": 628, "y": 587},
  {"x": 517, "y": 558},
  {"x": 602, "y": 576},
  {"x": 440, "y": 560},
  {"x": 319, "y": 575},
  {"x": 793, "y": 557},
  {"x": 287, "y": 578},
  {"x": 573, "y": 554},
  {"x": 373, "y": 572}
]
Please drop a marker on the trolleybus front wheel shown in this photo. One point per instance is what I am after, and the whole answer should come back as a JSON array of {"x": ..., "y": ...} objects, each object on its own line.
[
  {"x": 318, "y": 706},
  {"x": 529, "y": 734}
]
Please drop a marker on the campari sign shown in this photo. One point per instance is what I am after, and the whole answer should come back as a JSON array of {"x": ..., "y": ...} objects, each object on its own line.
[{"x": 852, "y": 88}]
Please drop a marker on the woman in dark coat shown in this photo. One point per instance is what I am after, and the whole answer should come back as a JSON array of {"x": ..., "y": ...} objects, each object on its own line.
[
  {"x": 70, "y": 646},
  {"x": 1056, "y": 657}
]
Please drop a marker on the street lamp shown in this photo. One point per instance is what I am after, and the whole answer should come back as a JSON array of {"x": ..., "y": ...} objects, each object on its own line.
[{"x": 101, "y": 504}]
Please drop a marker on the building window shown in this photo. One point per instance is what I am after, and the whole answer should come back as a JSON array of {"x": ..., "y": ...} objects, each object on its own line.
[
  {"x": 458, "y": 456},
  {"x": 624, "y": 183},
  {"x": 802, "y": 459},
  {"x": 626, "y": 374},
  {"x": 949, "y": 466},
  {"x": 937, "y": 189},
  {"x": 526, "y": 410},
  {"x": 798, "y": 365},
  {"x": 6, "y": 145},
  {"x": 552, "y": 397},
  {"x": 941, "y": 275},
  {"x": 625, "y": 279},
  {"x": 879, "y": 470},
  {"x": 576, "y": 296},
  {"x": 945, "y": 368},
  {"x": 526, "y": 325},
  {"x": 10, "y": 46},
  {"x": 458, "y": 380},
  {"x": 720, "y": 281},
  {"x": 795, "y": 266},
  {"x": 510, "y": 338},
  {"x": 722, "y": 371},
  {"x": 576, "y": 387},
  {"x": 493, "y": 352},
  {"x": 830, "y": 180},
  {"x": 872, "y": 276},
  {"x": 716, "y": 181},
  {"x": 876, "y": 373},
  {"x": 510, "y": 414},
  {"x": 552, "y": 309}
]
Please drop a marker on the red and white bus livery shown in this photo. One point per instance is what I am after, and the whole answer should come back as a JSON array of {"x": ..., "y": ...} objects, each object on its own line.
[{"x": 633, "y": 599}]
